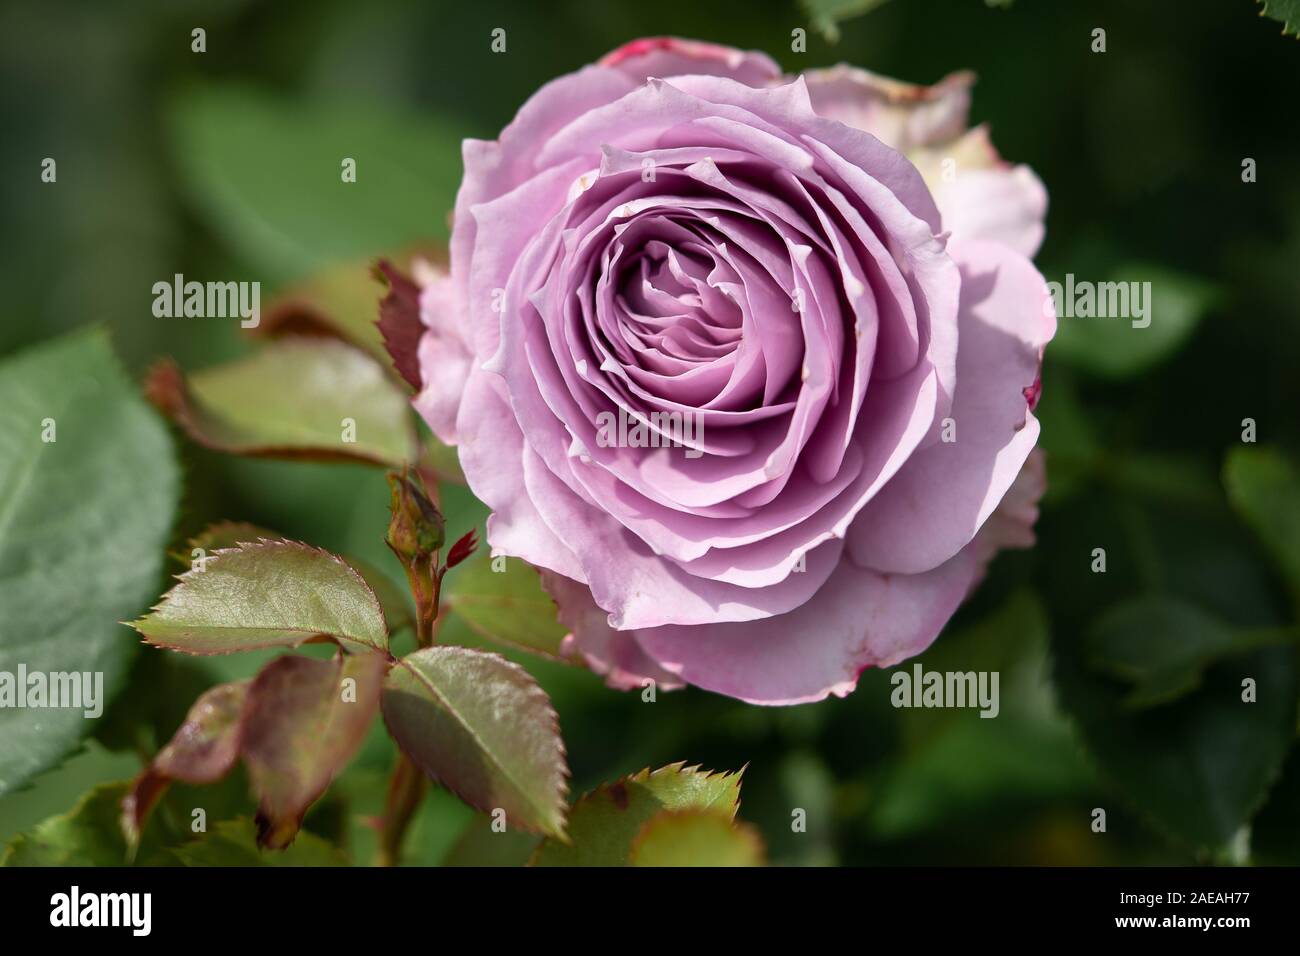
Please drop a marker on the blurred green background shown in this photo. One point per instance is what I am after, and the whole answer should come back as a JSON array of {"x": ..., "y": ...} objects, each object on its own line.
[{"x": 225, "y": 165}]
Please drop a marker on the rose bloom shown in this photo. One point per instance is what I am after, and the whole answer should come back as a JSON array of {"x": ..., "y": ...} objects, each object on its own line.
[{"x": 825, "y": 279}]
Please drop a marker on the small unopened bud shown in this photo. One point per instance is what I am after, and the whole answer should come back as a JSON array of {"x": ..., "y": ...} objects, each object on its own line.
[
  {"x": 416, "y": 529},
  {"x": 462, "y": 549}
]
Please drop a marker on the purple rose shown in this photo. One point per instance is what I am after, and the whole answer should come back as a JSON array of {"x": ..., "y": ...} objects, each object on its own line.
[{"x": 745, "y": 363}]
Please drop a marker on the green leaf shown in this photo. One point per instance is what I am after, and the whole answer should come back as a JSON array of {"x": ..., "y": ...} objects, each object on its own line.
[
  {"x": 303, "y": 721},
  {"x": 1264, "y": 489},
  {"x": 1113, "y": 347},
  {"x": 481, "y": 727},
  {"x": 1067, "y": 433},
  {"x": 266, "y": 172},
  {"x": 1162, "y": 646},
  {"x": 90, "y": 833},
  {"x": 604, "y": 823},
  {"x": 61, "y": 786},
  {"x": 694, "y": 837},
  {"x": 827, "y": 15},
  {"x": 340, "y": 301},
  {"x": 83, "y": 522},
  {"x": 233, "y": 843},
  {"x": 1197, "y": 768},
  {"x": 87, "y": 835},
  {"x": 395, "y": 601},
  {"x": 508, "y": 606},
  {"x": 297, "y": 397},
  {"x": 226, "y": 534},
  {"x": 1285, "y": 12},
  {"x": 270, "y": 594}
]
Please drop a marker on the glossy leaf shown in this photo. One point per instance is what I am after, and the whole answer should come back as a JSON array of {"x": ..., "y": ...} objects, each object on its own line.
[
  {"x": 481, "y": 727},
  {"x": 88, "y": 486},
  {"x": 227, "y": 534},
  {"x": 395, "y": 601},
  {"x": 296, "y": 397},
  {"x": 604, "y": 823},
  {"x": 696, "y": 838},
  {"x": 1162, "y": 646},
  {"x": 269, "y": 594},
  {"x": 1285, "y": 12}
]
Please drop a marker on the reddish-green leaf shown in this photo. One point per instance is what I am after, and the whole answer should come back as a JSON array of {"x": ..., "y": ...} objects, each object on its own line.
[
  {"x": 399, "y": 322},
  {"x": 481, "y": 727},
  {"x": 303, "y": 720},
  {"x": 202, "y": 751},
  {"x": 298, "y": 397}
]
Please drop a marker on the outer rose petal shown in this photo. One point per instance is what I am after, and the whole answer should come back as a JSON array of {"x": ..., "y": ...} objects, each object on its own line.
[
  {"x": 614, "y": 654},
  {"x": 983, "y": 197},
  {"x": 903, "y": 115},
  {"x": 1012, "y": 524},
  {"x": 491, "y": 456},
  {"x": 937, "y": 502},
  {"x": 859, "y": 619},
  {"x": 1006, "y": 204},
  {"x": 670, "y": 56},
  {"x": 444, "y": 357}
]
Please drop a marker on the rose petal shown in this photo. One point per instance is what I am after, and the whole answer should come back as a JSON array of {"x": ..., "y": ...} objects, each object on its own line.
[
  {"x": 444, "y": 358},
  {"x": 1006, "y": 204},
  {"x": 902, "y": 115},
  {"x": 614, "y": 654},
  {"x": 859, "y": 619},
  {"x": 671, "y": 56},
  {"x": 937, "y": 502}
]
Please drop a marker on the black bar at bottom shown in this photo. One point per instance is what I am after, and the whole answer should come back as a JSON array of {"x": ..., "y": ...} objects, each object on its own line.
[{"x": 340, "y": 905}]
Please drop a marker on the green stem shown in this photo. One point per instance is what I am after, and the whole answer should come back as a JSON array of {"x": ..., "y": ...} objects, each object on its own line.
[
  {"x": 407, "y": 785},
  {"x": 405, "y": 791}
]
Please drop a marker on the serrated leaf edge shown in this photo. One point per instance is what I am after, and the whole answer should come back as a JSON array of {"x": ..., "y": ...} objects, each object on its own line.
[
  {"x": 553, "y": 724},
  {"x": 261, "y": 543}
]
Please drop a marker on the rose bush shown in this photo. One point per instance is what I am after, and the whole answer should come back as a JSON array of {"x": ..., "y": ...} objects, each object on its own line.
[{"x": 827, "y": 273}]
